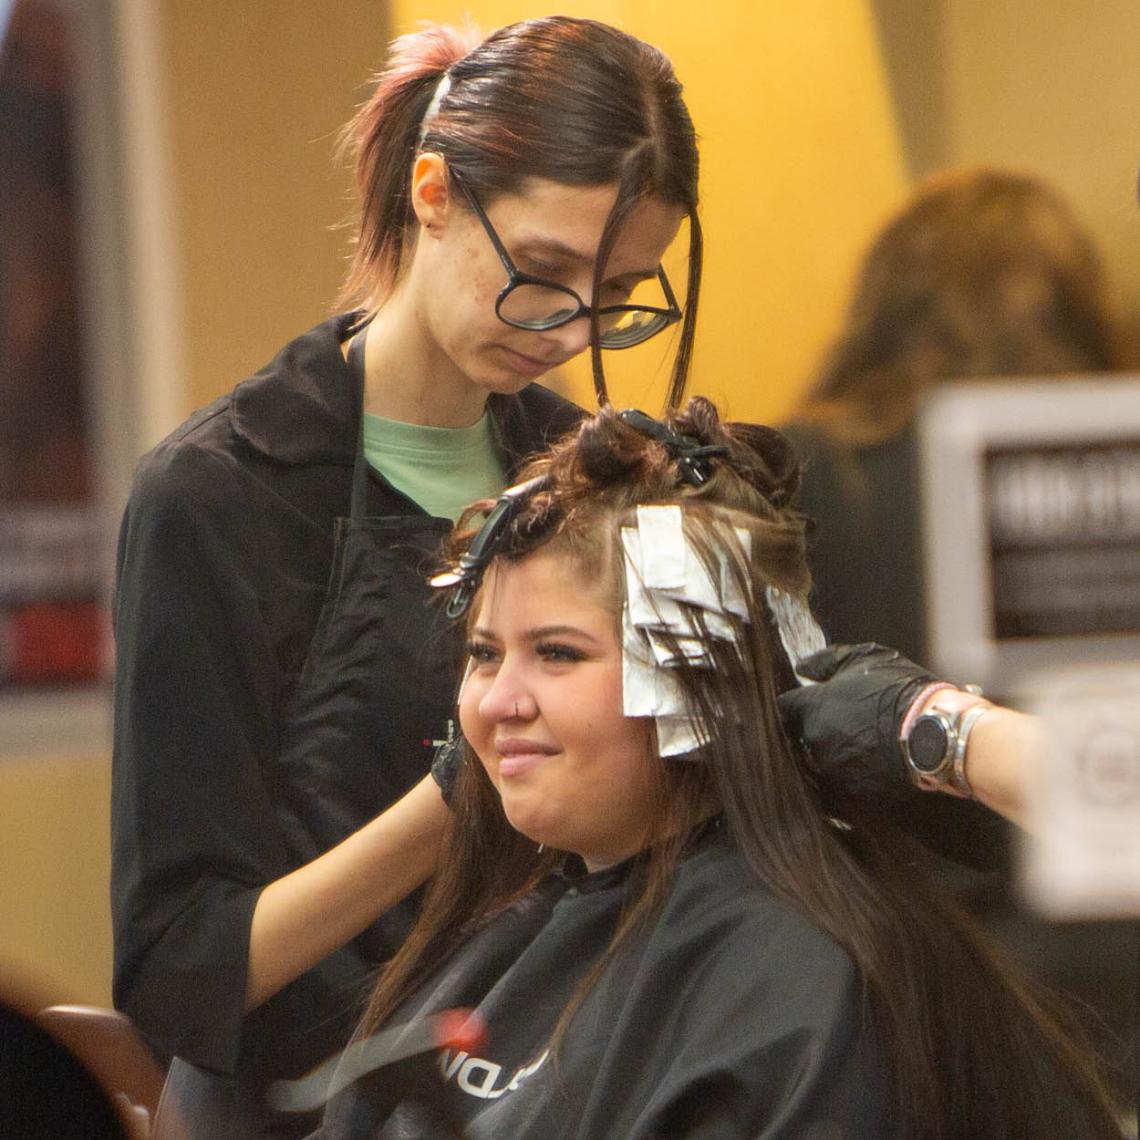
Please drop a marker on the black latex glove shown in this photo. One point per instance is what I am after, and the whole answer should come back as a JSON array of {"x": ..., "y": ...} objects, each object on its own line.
[
  {"x": 445, "y": 766},
  {"x": 850, "y": 721}
]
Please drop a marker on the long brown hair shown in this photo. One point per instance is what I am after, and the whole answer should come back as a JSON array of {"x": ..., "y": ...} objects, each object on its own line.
[
  {"x": 972, "y": 1050},
  {"x": 984, "y": 273},
  {"x": 570, "y": 100}
]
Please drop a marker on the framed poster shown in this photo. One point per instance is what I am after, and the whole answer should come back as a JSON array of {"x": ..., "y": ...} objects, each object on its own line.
[
  {"x": 1031, "y": 526},
  {"x": 80, "y": 302},
  {"x": 52, "y": 590}
]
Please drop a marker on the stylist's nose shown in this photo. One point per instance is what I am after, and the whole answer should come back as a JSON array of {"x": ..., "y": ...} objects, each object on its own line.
[
  {"x": 508, "y": 698},
  {"x": 571, "y": 338}
]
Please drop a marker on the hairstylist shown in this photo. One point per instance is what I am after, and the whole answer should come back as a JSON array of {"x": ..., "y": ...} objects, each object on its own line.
[{"x": 281, "y": 679}]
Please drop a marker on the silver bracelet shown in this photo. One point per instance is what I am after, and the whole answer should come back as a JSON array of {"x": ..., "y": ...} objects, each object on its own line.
[{"x": 964, "y": 727}]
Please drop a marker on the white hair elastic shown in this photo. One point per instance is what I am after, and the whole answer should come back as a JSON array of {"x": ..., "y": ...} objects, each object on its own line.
[{"x": 438, "y": 96}]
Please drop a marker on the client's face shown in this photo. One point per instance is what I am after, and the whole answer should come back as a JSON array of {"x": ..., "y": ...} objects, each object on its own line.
[{"x": 542, "y": 708}]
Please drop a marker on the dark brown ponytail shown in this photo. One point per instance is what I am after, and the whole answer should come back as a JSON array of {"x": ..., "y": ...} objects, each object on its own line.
[{"x": 382, "y": 136}]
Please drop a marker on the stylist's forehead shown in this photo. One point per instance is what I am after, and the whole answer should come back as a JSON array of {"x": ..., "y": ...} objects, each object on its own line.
[{"x": 563, "y": 223}]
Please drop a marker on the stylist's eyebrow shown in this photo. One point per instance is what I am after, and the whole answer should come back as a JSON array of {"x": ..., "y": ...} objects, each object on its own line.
[
  {"x": 554, "y": 249},
  {"x": 551, "y": 248}
]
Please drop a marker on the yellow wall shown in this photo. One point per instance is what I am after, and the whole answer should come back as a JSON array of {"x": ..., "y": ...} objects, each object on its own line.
[
  {"x": 800, "y": 163},
  {"x": 257, "y": 92},
  {"x": 55, "y": 930},
  {"x": 1052, "y": 88}
]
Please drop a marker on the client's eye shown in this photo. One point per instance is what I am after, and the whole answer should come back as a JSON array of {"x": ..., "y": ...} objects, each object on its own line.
[
  {"x": 482, "y": 652},
  {"x": 558, "y": 652}
]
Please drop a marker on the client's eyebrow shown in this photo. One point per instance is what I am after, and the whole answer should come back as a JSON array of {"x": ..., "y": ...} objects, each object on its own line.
[
  {"x": 546, "y": 631},
  {"x": 484, "y": 634}
]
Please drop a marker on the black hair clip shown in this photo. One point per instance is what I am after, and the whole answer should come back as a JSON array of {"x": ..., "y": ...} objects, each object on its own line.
[
  {"x": 465, "y": 576},
  {"x": 692, "y": 456}
]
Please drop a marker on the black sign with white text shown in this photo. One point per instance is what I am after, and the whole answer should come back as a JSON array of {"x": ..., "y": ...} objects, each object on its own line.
[{"x": 1064, "y": 537}]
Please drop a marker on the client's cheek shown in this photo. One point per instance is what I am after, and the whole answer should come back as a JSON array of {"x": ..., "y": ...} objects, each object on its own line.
[
  {"x": 471, "y": 724},
  {"x": 475, "y": 732}
]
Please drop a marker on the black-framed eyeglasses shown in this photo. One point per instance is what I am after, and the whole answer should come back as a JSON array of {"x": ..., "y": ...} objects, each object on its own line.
[{"x": 537, "y": 305}]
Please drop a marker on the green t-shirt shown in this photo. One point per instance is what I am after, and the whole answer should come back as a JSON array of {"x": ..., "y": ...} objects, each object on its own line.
[{"x": 441, "y": 469}]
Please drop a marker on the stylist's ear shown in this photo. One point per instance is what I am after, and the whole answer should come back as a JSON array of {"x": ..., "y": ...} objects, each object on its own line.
[{"x": 430, "y": 193}]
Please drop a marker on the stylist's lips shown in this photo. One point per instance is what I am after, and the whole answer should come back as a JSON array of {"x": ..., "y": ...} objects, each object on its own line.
[
  {"x": 517, "y": 755},
  {"x": 528, "y": 365}
]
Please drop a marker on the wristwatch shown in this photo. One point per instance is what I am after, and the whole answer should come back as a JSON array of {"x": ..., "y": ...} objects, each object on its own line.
[{"x": 935, "y": 748}]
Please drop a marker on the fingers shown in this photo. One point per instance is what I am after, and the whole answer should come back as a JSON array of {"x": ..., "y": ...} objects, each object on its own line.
[
  {"x": 827, "y": 662},
  {"x": 819, "y": 666},
  {"x": 793, "y": 703}
]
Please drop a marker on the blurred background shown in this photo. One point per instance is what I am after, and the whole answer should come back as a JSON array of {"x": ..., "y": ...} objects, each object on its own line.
[{"x": 172, "y": 210}]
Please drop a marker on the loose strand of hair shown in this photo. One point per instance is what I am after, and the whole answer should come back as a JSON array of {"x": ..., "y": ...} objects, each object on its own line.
[
  {"x": 487, "y": 864},
  {"x": 682, "y": 361}
]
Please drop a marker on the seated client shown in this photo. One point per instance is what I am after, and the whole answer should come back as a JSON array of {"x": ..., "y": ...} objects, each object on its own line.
[{"x": 670, "y": 926}]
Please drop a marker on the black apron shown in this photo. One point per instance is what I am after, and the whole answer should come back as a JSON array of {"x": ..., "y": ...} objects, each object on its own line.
[{"x": 375, "y": 697}]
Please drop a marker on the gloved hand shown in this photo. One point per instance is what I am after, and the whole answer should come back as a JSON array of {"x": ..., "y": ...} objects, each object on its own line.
[
  {"x": 446, "y": 764},
  {"x": 850, "y": 720}
]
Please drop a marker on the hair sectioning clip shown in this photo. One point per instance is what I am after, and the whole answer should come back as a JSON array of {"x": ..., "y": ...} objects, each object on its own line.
[
  {"x": 692, "y": 456},
  {"x": 465, "y": 576}
]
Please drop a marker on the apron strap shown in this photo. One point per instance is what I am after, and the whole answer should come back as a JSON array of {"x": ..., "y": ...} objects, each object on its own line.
[{"x": 358, "y": 505}]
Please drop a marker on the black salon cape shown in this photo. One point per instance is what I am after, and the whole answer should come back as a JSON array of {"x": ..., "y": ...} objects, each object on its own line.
[
  {"x": 225, "y": 559},
  {"x": 730, "y": 1017}
]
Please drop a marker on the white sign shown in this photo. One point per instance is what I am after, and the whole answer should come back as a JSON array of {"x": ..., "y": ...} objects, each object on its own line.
[{"x": 1082, "y": 846}]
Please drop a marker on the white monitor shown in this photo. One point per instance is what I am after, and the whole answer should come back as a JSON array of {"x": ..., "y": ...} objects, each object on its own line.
[{"x": 1031, "y": 526}]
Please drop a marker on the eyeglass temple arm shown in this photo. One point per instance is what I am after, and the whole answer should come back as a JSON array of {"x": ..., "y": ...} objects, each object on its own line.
[{"x": 481, "y": 214}]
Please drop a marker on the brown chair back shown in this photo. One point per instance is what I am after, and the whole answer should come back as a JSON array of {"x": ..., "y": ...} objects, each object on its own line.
[{"x": 108, "y": 1044}]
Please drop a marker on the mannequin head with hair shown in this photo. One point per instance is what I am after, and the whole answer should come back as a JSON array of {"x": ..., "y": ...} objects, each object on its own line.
[
  {"x": 574, "y": 140},
  {"x": 554, "y": 766}
]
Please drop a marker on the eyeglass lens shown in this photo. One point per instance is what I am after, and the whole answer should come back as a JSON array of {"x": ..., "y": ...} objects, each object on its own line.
[{"x": 542, "y": 307}]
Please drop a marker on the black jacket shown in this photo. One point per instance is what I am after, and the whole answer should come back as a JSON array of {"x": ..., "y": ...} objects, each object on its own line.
[{"x": 225, "y": 559}]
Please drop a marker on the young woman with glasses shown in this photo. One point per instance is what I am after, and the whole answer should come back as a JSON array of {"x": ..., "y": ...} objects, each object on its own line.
[{"x": 281, "y": 678}]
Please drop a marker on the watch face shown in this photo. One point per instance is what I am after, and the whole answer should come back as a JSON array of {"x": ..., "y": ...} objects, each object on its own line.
[{"x": 927, "y": 743}]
